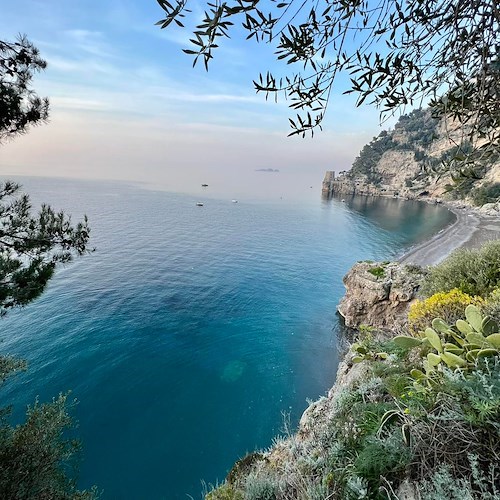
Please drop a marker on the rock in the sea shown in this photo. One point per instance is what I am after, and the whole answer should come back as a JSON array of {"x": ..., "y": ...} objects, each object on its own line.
[{"x": 378, "y": 294}]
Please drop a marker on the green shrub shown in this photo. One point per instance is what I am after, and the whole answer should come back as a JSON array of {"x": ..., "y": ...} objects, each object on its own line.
[
  {"x": 397, "y": 385},
  {"x": 446, "y": 417},
  {"x": 478, "y": 392},
  {"x": 243, "y": 466},
  {"x": 260, "y": 487},
  {"x": 442, "y": 485},
  {"x": 382, "y": 457},
  {"x": 317, "y": 491},
  {"x": 36, "y": 455},
  {"x": 224, "y": 492},
  {"x": 356, "y": 488},
  {"x": 475, "y": 272},
  {"x": 378, "y": 272},
  {"x": 370, "y": 415},
  {"x": 446, "y": 436},
  {"x": 487, "y": 193},
  {"x": 461, "y": 346}
]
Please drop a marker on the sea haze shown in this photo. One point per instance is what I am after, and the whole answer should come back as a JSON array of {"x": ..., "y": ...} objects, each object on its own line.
[{"x": 190, "y": 331}]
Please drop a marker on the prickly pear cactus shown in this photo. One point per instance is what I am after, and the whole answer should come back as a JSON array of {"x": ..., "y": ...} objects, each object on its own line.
[{"x": 458, "y": 347}]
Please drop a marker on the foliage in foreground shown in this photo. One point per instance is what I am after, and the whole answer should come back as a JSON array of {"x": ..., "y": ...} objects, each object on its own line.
[
  {"x": 35, "y": 458},
  {"x": 395, "y": 53},
  {"x": 462, "y": 345},
  {"x": 20, "y": 107},
  {"x": 31, "y": 245}
]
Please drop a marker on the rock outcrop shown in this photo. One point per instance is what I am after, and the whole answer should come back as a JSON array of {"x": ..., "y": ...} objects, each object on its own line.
[
  {"x": 378, "y": 294},
  {"x": 413, "y": 160},
  {"x": 490, "y": 209}
]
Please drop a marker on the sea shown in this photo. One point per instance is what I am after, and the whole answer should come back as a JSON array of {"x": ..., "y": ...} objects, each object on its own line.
[{"x": 193, "y": 335}]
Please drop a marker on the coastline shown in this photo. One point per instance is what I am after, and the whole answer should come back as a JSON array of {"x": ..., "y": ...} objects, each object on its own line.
[
  {"x": 471, "y": 229},
  {"x": 287, "y": 456}
]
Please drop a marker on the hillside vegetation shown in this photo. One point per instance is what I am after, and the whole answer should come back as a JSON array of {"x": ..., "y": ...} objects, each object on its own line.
[{"x": 424, "y": 156}]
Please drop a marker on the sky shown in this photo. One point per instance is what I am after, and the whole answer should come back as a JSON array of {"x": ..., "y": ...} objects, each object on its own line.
[{"x": 127, "y": 104}]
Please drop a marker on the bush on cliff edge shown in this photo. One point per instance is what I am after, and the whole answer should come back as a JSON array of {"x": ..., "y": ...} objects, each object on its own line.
[{"x": 475, "y": 272}]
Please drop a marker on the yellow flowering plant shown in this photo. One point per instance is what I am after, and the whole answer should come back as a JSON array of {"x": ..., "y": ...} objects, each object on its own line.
[{"x": 449, "y": 306}]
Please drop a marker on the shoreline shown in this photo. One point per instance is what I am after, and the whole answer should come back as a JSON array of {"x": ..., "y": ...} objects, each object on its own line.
[{"x": 470, "y": 230}]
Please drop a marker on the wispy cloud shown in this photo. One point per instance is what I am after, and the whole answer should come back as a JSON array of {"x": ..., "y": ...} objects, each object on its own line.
[
  {"x": 76, "y": 67},
  {"x": 123, "y": 94},
  {"x": 71, "y": 103},
  {"x": 93, "y": 83},
  {"x": 180, "y": 38},
  {"x": 91, "y": 42},
  {"x": 176, "y": 92}
]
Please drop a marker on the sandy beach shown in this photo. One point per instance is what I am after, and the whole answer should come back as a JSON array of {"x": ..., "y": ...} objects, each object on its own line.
[{"x": 470, "y": 230}]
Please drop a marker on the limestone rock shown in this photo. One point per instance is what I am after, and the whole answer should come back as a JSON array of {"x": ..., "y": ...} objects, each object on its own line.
[
  {"x": 378, "y": 294},
  {"x": 407, "y": 491},
  {"x": 396, "y": 163},
  {"x": 319, "y": 413},
  {"x": 491, "y": 209}
]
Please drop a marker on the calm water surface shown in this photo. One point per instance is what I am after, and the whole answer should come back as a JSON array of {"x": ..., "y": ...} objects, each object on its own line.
[{"x": 191, "y": 330}]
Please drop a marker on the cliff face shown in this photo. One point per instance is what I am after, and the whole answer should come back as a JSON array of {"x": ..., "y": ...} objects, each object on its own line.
[
  {"x": 413, "y": 161},
  {"x": 378, "y": 294}
]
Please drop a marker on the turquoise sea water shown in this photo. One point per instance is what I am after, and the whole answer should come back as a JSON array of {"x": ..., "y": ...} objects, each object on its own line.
[{"x": 190, "y": 331}]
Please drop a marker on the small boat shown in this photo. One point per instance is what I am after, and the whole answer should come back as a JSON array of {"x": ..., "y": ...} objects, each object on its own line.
[
  {"x": 204, "y": 185},
  {"x": 199, "y": 204},
  {"x": 234, "y": 201}
]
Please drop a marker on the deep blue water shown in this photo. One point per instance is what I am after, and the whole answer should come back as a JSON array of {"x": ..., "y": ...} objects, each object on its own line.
[{"x": 190, "y": 330}]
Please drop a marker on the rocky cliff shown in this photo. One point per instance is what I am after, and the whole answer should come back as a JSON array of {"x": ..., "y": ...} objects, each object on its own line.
[
  {"x": 378, "y": 294},
  {"x": 419, "y": 159}
]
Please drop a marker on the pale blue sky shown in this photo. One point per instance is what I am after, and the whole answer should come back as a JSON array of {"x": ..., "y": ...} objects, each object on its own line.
[{"x": 127, "y": 104}]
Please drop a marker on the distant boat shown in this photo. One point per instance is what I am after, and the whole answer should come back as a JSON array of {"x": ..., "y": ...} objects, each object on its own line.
[
  {"x": 204, "y": 185},
  {"x": 199, "y": 204},
  {"x": 234, "y": 201}
]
